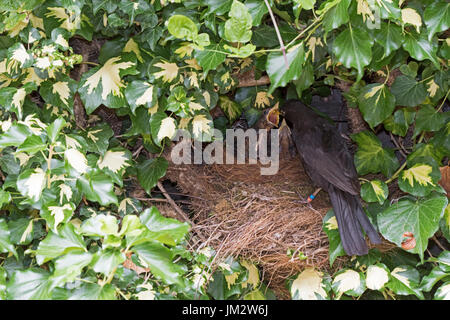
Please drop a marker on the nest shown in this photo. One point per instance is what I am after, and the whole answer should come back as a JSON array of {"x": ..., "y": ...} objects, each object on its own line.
[{"x": 243, "y": 213}]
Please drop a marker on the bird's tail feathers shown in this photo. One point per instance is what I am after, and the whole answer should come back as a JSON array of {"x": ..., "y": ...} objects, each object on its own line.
[{"x": 350, "y": 217}]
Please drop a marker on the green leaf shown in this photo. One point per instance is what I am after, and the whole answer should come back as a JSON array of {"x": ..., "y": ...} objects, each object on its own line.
[
  {"x": 150, "y": 171},
  {"x": 55, "y": 214},
  {"x": 376, "y": 103},
  {"x": 238, "y": 27},
  {"x": 140, "y": 93},
  {"x": 59, "y": 93},
  {"x": 371, "y": 157},
  {"x": 408, "y": 92},
  {"x": 374, "y": 191},
  {"x": 70, "y": 266},
  {"x": 257, "y": 10},
  {"x": 98, "y": 138},
  {"x": 15, "y": 136},
  {"x": 166, "y": 230},
  {"x": 55, "y": 128},
  {"x": 420, "y": 48},
  {"x": 106, "y": 261},
  {"x": 231, "y": 108},
  {"x": 337, "y": 15},
  {"x": 92, "y": 291},
  {"x": 444, "y": 224},
  {"x": 100, "y": 226},
  {"x": 429, "y": 119},
  {"x": 31, "y": 183},
  {"x": 276, "y": 66},
  {"x": 31, "y": 284},
  {"x": 97, "y": 187},
  {"x": 421, "y": 218},
  {"x": 32, "y": 144},
  {"x": 435, "y": 275},
  {"x": 390, "y": 37},
  {"x": 5, "y": 242},
  {"x": 210, "y": 57},
  {"x": 57, "y": 244},
  {"x": 182, "y": 27},
  {"x": 399, "y": 122},
  {"x": 160, "y": 261},
  {"x": 437, "y": 18},
  {"x": 353, "y": 48},
  {"x": 330, "y": 227},
  {"x": 405, "y": 281},
  {"x": 104, "y": 84},
  {"x": 420, "y": 179},
  {"x": 5, "y": 197}
]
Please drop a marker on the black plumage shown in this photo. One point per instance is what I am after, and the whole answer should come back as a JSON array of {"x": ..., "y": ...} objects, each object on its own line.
[{"x": 329, "y": 164}]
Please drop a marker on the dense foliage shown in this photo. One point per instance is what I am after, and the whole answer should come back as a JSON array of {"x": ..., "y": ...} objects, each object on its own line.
[{"x": 68, "y": 221}]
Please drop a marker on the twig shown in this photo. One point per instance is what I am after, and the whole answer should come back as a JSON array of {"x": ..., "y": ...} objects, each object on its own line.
[
  {"x": 438, "y": 243},
  {"x": 397, "y": 145},
  {"x": 180, "y": 212},
  {"x": 282, "y": 48}
]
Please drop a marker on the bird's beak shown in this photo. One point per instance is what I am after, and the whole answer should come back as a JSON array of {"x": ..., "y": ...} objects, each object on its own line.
[{"x": 273, "y": 116}]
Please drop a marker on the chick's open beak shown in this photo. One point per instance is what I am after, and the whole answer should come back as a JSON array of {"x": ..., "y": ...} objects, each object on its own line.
[{"x": 273, "y": 116}]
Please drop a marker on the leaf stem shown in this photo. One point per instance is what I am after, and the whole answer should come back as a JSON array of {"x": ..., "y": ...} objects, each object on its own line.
[
  {"x": 395, "y": 175},
  {"x": 443, "y": 101}
]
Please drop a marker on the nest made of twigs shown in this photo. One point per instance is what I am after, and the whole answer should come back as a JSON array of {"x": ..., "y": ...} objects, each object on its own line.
[{"x": 243, "y": 213}]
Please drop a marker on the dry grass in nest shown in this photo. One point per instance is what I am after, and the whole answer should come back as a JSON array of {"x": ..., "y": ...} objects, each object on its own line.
[{"x": 259, "y": 218}]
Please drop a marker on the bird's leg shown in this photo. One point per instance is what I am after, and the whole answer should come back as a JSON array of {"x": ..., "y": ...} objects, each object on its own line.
[{"x": 310, "y": 198}]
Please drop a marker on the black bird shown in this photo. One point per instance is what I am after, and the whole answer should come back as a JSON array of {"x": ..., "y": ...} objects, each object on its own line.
[{"x": 329, "y": 164}]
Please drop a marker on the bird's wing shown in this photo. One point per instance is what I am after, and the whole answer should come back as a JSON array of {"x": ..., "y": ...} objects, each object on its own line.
[{"x": 324, "y": 151}]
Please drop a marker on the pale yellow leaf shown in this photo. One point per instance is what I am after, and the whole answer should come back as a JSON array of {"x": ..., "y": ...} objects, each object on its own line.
[
  {"x": 420, "y": 173},
  {"x": 61, "y": 41},
  {"x": 169, "y": 71},
  {"x": 308, "y": 285},
  {"x": 200, "y": 124},
  {"x": 35, "y": 184},
  {"x": 432, "y": 87},
  {"x": 109, "y": 76},
  {"x": 376, "y": 277},
  {"x": 348, "y": 280},
  {"x": 331, "y": 223},
  {"x": 167, "y": 129},
  {"x": 65, "y": 191},
  {"x": 113, "y": 160},
  {"x": 147, "y": 96},
  {"x": 62, "y": 89},
  {"x": 76, "y": 159},
  {"x": 411, "y": 16},
  {"x": 132, "y": 46}
]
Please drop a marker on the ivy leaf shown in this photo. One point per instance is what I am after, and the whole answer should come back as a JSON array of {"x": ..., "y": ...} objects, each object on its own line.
[
  {"x": 231, "y": 108},
  {"x": 374, "y": 191},
  {"x": 257, "y": 10},
  {"x": 353, "y": 48},
  {"x": 31, "y": 183},
  {"x": 377, "y": 276},
  {"x": 98, "y": 137},
  {"x": 57, "y": 244},
  {"x": 160, "y": 261},
  {"x": 150, "y": 171},
  {"x": 55, "y": 214},
  {"x": 276, "y": 67},
  {"x": 202, "y": 125},
  {"x": 437, "y": 18},
  {"x": 97, "y": 187},
  {"x": 140, "y": 93},
  {"x": 162, "y": 127},
  {"x": 420, "y": 179},
  {"x": 429, "y": 119},
  {"x": 405, "y": 281},
  {"x": 238, "y": 27},
  {"x": 421, "y": 218},
  {"x": 69, "y": 267},
  {"x": 390, "y": 37},
  {"x": 408, "y": 92},
  {"x": 443, "y": 292},
  {"x": 15, "y": 135},
  {"x": 330, "y": 227},
  {"x": 31, "y": 284},
  {"x": 32, "y": 144},
  {"x": 399, "y": 122},
  {"x": 371, "y": 157},
  {"x": 182, "y": 27},
  {"x": 59, "y": 93},
  {"x": 349, "y": 282},
  {"x": 92, "y": 291},
  {"x": 210, "y": 58},
  {"x": 160, "y": 68},
  {"x": 309, "y": 285},
  {"x": 166, "y": 230},
  {"x": 435, "y": 275},
  {"x": 104, "y": 85},
  {"x": 420, "y": 48},
  {"x": 376, "y": 103},
  {"x": 5, "y": 242},
  {"x": 55, "y": 128},
  {"x": 100, "y": 226},
  {"x": 105, "y": 261},
  {"x": 337, "y": 15}
]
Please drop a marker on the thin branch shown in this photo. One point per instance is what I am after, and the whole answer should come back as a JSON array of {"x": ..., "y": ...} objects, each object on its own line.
[{"x": 282, "y": 47}]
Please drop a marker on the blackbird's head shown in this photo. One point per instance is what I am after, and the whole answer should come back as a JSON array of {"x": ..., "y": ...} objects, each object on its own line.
[{"x": 291, "y": 110}]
